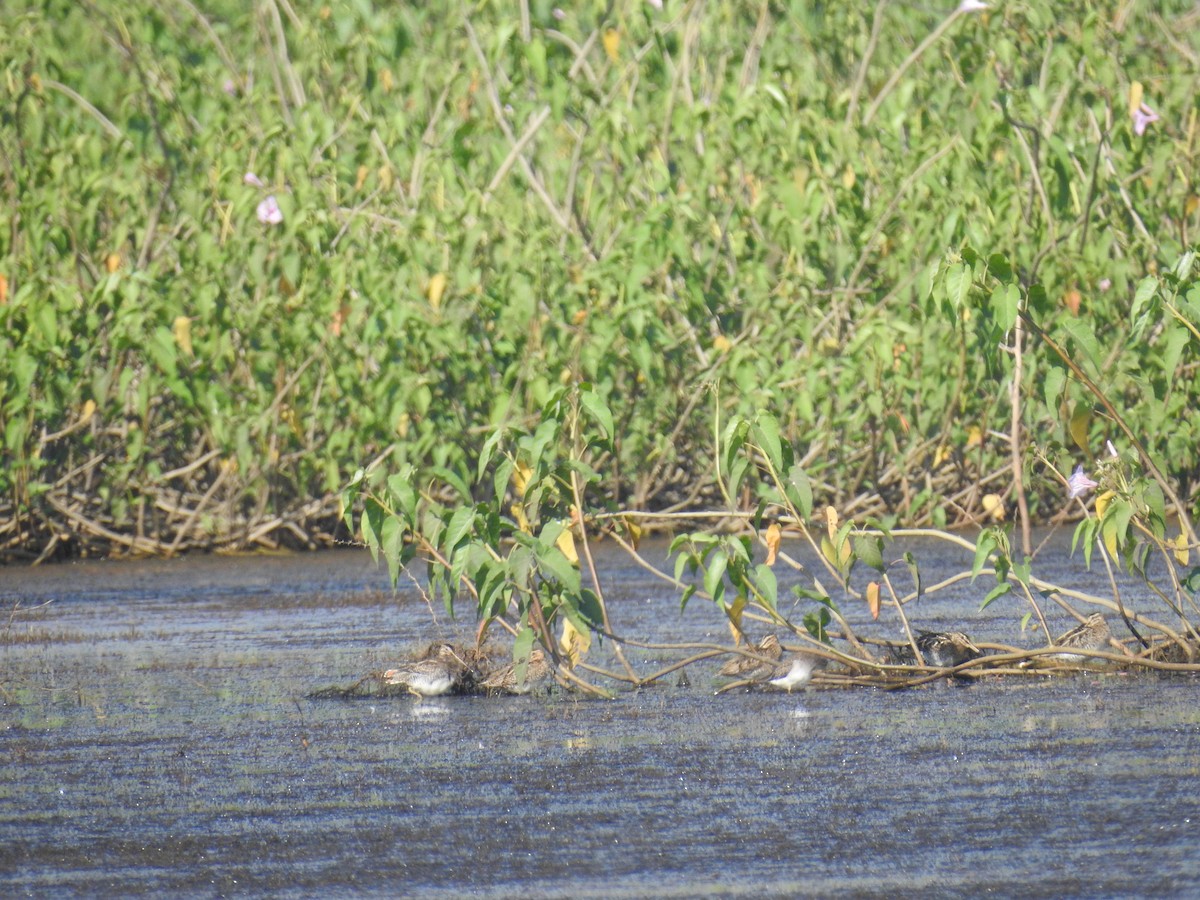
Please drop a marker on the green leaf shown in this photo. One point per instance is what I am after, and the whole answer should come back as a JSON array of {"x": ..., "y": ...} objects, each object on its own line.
[
  {"x": 958, "y": 286},
  {"x": 1147, "y": 290},
  {"x": 1005, "y": 303},
  {"x": 522, "y": 647},
  {"x": 767, "y": 585},
  {"x": 983, "y": 548},
  {"x": 715, "y": 573},
  {"x": 392, "y": 543},
  {"x": 799, "y": 492},
  {"x": 598, "y": 412},
  {"x": 869, "y": 549},
  {"x": 766, "y": 435},
  {"x": 461, "y": 523},
  {"x": 998, "y": 591},
  {"x": 552, "y": 561},
  {"x": 911, "y": 562}
]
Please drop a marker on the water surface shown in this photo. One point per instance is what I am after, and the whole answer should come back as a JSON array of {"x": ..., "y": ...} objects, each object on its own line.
[{"x": 155, "y": 736}]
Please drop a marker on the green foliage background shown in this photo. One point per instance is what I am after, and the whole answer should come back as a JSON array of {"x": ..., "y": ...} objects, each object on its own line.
[{"x": 723, "y": 207}]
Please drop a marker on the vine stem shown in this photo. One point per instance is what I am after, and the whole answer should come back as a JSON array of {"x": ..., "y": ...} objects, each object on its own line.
[{"x": 577, "y": 497}]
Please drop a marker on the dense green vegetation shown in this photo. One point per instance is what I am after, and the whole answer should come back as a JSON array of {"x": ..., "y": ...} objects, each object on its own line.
[{"x": 701, "y": 213}]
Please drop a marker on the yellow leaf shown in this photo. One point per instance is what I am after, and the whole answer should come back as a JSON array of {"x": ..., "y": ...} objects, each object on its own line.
[
  {"x": 360, "y": 177},
  {"x": 1135, "y": 97},
  {"x": 112, "y": 262},
  {"x": 974, "y": 436},
  {"x": 182, "y": 329},
  {"x": 520, "y": 477},
  {"x": 3, "y": 290},
  {"x": 89, "y": 410},
  {"x": 773, "y": 539},
  {"x": 1081, "y": 421},
  {"x": 831, "y": 523},
  {"x": 612, "y": 43},
  {"x": 735, "y": 613},
  {"x": 1181, "y": 547},
  {"x": 566, "y": 543},
  {"x": 1102, "y": 502},
  {"x": 386, "y": 177},
  {"x": 1110, "y": 538},
  {"x": 722, "y": 344},
  {"x": 845, "y": 553},
  {"x": 386, "y": 80},
  {"x": 518, "y": 513},
  {"x": 574, "y": 643},
  {"x": 873, "y": 599},
  {"x": 942, "y": 454},
  {"x": 635, "y": 532},
  {"x": 437, "y": 286},
  {"x": 848, "y": 177},
  {"x": 1189, "y": 207},
  {"x": 288, "y": 415},
  {"x": 993, "y": 507},
  {"x": 402, "y": 424}
]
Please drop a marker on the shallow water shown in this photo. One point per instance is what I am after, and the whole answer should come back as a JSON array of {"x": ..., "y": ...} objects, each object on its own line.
[{"x": 154, "y": 737}]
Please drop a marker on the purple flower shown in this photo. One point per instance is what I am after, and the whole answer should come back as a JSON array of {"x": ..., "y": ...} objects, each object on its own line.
[
  {"x": 1142, "y": 118},
  {"x": 1079, "y": 484},
  {"x": 269, "y": 212},
  {"x": 970, "y": 6},
  {"x": 253, "y": 180},
  {"x": 558, "y": 14}
]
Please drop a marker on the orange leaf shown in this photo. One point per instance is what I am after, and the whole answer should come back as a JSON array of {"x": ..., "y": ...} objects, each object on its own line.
[
  {"x": 873, "y": 599},
  {"x": 773, "y": 539}
]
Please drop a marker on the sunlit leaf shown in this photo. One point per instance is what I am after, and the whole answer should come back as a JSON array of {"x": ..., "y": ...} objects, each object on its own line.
[
  {"x": 831, "y": 521},
  {"x": 612, "y": 43},
  {"x": 566, "y": 543},
  {"x": 1135, "y": 96},
  {"x": 734, "y": 612},
  {"x": 435, "y": 289},
  {"x": 993, "y": 507},
  {"x": 873, "y": 599},
  {"x": 573, "y": 643},
  {"x": 772, "y": 539}
]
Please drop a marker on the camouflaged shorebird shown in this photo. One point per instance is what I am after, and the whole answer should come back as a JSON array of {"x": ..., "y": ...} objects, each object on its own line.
[
  {"x": 504, "y": 680},
  {"x": 432, "y": 676},
  {"x": 939, "y": 649},
  {"x": 1091, "y": 634},
  {"x": 749, "y": 668}
]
